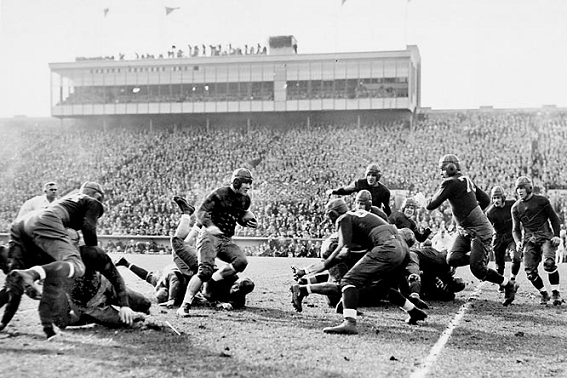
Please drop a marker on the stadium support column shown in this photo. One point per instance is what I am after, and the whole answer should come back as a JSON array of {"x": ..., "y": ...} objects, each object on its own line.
[
  {"x": 358, "y": 121},
  {"x": 308, "y": 122},
  {"x": 151, "y": 124}
]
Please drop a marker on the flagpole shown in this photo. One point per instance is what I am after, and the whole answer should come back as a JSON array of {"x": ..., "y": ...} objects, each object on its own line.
[{"x": 406, "y": 24}]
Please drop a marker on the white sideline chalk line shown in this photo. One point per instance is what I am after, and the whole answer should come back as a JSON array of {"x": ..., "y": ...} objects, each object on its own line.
[{"x": 428, "y": 362}]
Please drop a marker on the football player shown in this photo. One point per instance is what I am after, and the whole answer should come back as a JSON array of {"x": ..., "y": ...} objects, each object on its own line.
[
  {"x": 472, "y": 243},
  {"x": 218, "y": 215},
  {"x": 499, "y": 214},
  {"x": 533, "y": 214},
  {"x": 403, "y": 219},
  {"x": 371, "y": 182},
  {"x": 44, "y": 233},
  {"x": 385, "y": 260},
  {"x": 170, "y": 282}
]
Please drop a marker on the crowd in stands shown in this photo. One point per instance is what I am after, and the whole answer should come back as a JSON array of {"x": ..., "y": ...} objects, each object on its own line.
[
  {"x": 141, "y": 168},
  {"x": 192, "y": 51}
]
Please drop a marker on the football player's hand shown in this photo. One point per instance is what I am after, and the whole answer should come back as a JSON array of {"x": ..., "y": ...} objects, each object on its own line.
[
  {"x": 169, "y": 304},
  {"x": 555, "y": 241},
  {"x": 317, "y": 267},
  {"x": 126, "y": 315},
  {"x": 329, "y": 192},
  {"x": 252, "y": 223},
  {"x": 519, "y": 247},
  {"x": 2, "y": 326},
  {"x": 214, "y": 230},
  {"x": 225, "y": 306}
]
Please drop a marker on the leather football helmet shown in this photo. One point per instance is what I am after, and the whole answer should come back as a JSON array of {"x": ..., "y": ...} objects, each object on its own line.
[
  {"x": 93, "y": 189},
  {"x": 241, "y": 176},
  {"x": 524, "y": 182},
  {"x": 373, "y": 169},
  {"x": 450, "y": 164},
  {"x": 498, "y": 191}
]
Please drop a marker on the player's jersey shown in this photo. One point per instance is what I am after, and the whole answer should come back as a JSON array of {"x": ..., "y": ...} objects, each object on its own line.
[
  {"x": 400, "y": 220},
  {"x": 377, "y": 211},
  {"x": 501, "y": 217},
  {"x": 98, "y": 266},
  {"x": 223, "y": 207},
  {"x": 535, "y": 216},
  {"x": 463, "y": 196},
  {"x": 380, "y": 194},
  {"x": 354, "y": 228},
  {"x": 79, "y": 212}
]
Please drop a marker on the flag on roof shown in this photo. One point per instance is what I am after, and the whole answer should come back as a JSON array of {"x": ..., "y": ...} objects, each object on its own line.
[{"x": 168, "y": 10}]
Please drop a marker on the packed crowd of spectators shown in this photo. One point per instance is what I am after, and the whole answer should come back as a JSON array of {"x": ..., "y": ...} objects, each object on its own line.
[
  {"x": 198, "y": 50},
  {"x": 141, "y": 169}
]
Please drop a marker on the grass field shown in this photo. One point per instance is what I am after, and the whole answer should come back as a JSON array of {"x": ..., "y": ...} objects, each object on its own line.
[{"x": 474, "y": 336}]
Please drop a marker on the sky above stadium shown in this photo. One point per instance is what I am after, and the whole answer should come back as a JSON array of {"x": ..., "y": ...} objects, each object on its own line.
[{"x": 501, "y": 53}]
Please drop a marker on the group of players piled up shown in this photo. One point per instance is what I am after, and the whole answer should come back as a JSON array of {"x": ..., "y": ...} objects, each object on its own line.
[
  {"x": 372, "y": 255},
  {"x": 82, "y": 285},
  {"x": 370, "y": 258}
]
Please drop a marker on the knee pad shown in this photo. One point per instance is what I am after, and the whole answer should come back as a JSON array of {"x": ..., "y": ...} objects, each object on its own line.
[
  {"x": 549, "y": 265},
  {"x": 240, "y": 264}
]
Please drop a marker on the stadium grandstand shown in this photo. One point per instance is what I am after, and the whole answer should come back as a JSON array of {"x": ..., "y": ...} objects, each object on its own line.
[{"x": 280, "y": 85}]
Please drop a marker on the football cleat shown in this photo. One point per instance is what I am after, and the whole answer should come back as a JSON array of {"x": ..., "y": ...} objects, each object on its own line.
[
  {"x": 544, "y": 300},
  {"x": 415, "y": 315},
  {"x": 347, "y": 327},
  {"x": 183, "y": 205},
  {"x": 296, "y": 298},
  {"x": 556, "y": 297},
  {"x": 49, "y": 332},
  {"x": 510, "y": 292},
  {"x": 417, "y": 301}
]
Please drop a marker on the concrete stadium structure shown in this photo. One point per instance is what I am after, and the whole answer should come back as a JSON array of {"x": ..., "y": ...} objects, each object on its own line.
[{"x": 242, "y": 87}]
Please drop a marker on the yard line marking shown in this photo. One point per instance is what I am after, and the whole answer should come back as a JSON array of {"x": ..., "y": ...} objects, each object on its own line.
[{"x": 429, "y": 361}]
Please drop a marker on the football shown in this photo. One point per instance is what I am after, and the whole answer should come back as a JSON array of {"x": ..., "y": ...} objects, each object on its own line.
[{"x": 249, "y": 219}]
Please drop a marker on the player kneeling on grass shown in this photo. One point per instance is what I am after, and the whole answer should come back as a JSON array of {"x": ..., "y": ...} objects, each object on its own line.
[{"x": 385, "y": 260}]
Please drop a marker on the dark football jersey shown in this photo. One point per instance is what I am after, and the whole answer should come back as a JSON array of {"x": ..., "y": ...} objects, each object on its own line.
[
  {"x": 463, "y": 196},
  {"x": 223, "y": 207},
  {"x": 501, "y": 217},
  {"x": 83, "y": 213},
  {"x": 535, "y": 215},
  {"x": 354, "y": 228}
]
